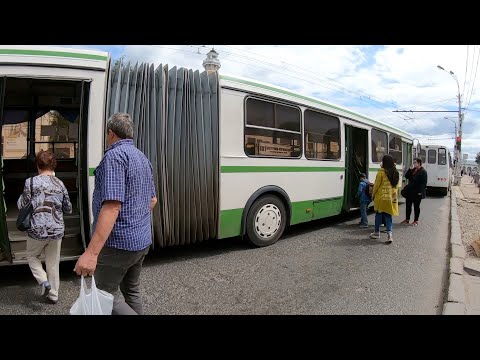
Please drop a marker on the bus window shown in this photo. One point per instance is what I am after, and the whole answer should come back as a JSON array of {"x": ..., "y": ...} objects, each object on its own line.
[
  {"x": 442, "y": 156},
  {"x": 423, "y": 156},
  {"x": 379, "y": 145},
  {"x": 272, "y": 129},
  {"x": 322, "y": 136},
  {"x": 395, "y": 148},
  {"x": 432, "y": 156}
]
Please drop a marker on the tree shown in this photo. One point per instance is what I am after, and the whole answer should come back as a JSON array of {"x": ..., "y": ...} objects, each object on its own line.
[{"x": 477, "y": 159}]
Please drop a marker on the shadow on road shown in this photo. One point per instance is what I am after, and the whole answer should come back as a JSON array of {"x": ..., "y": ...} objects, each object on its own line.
[
  {"x": 217, "y": 247},
  {"x": 366, "y": 241}
]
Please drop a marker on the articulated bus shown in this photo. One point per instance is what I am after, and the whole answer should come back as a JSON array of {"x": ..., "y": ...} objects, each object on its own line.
[{"x": 231, "y": 156}]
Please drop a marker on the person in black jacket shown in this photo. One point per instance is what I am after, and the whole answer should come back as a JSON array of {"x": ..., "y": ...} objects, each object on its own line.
[{"x": 415, "y": 190}]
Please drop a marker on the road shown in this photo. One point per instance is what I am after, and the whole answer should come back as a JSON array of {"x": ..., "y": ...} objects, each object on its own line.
[{"x": 327, "y": 267}]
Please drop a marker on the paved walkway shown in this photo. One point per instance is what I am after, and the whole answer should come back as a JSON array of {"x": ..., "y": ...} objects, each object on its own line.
[{"x": 464, "y": 285}]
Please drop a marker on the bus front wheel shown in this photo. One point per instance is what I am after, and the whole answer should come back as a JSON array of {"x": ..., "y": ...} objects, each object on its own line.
[{"x": 266, "y": 221}]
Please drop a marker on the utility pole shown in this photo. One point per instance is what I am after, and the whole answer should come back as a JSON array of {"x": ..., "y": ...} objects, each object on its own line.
[
  {"x": 458, "y": 140},
  {"x": 455, "y": 147}
]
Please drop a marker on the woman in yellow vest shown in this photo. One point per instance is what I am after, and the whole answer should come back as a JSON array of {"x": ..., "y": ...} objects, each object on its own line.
[{"x": 385, "y": 197}]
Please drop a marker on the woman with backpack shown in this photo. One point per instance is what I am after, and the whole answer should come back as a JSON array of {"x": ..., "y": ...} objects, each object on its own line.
[{"x": 385, "y": 196}]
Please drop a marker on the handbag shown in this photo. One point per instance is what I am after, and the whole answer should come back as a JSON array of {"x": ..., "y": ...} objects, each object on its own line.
[
  {"x": 25, "y": 213},
  {"x": 404, "y": 192}
]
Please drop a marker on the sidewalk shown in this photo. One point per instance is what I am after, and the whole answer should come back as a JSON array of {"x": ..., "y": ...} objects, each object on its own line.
[{"x": 464, "y": 281}]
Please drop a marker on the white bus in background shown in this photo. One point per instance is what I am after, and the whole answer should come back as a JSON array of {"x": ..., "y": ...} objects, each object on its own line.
[
  {"x": 231, "y": 156},
  {"x": 436, "y": 160}
]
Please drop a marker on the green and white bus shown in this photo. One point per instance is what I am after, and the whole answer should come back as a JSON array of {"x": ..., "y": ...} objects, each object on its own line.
[{"x": 231, "y": 156}]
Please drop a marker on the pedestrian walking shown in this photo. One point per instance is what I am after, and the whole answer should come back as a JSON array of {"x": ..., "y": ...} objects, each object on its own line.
[
  {"x": 385, "y": 197},
  {"x": 50, "y": 201},
  {"x": 123, "y": 199}
]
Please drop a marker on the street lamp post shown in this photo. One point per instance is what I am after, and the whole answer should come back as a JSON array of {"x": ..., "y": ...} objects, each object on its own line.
[
  {"x": 458, "y": 148},
  {"x": 455, "y": 146}
]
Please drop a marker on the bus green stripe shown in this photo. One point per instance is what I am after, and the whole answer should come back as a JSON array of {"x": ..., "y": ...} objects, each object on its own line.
[
  {"x": 52, "y": 53},
  {"x": 251, "y": 169},
  {"x": 303, "y": 211},
  {"x": 231, "y": 220},
  {"x": 230, "y": 223},
  {"x": 91, "y": 171},
  {"x": 303, "y": 97}
]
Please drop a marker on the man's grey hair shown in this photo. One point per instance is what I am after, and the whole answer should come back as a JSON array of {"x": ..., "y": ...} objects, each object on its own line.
[{"x": 121, "y": 124}]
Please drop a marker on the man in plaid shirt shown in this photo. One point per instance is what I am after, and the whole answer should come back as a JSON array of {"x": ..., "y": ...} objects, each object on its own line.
[{"x": 123, "y": 198}]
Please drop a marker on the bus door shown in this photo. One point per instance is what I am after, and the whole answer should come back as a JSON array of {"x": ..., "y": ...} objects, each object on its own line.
[
  {"x": 82, "y": 165},
  {"x": 5, "y": 252},
  {"x": 407, "y": 158},
  {"x": 356, "y": 162}
]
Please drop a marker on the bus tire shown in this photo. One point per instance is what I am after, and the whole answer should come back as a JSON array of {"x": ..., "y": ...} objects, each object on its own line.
[
  {"x": 444, "y": 191},
  {"x": 266, "y": 221}
]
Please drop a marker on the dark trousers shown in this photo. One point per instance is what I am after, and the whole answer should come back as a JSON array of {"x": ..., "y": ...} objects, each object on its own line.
[
  {"x": 121, "y": 268},
  {"x": 416, "y": 207}
]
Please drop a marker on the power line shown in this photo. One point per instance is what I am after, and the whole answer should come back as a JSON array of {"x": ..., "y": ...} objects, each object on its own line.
[
  {"x": 303, "y": 79},
  {"x": 412, "y": 121},
  {"x": 434, "y": 102},
  {"x": 466, "y": 67},
  {"x": 361, "y": 93},
  {"x": 473, "y": 85}
]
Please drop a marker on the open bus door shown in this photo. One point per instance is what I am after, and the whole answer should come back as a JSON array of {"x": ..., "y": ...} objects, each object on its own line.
[
  {"x": 5, "y": 251},
  {"x": 356, "y": 162},
  {"x": 82, "y": 165}
]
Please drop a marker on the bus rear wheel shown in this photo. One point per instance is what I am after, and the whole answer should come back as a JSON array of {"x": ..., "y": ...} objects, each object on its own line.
[{"x": 266, "y": 221}]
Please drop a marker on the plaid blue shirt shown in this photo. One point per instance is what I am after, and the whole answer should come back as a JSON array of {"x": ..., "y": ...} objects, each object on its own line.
[{"x": 125, "y": 175}]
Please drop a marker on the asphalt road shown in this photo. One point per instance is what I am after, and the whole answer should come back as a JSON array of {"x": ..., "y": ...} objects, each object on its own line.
[{"x": 327, "y": 267}]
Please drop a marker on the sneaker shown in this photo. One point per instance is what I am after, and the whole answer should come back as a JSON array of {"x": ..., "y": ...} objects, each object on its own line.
[
  {"x": 45, "y": 288},
  {"x": 405, "y": 222},
  {"x": 363, "y": 226},
  {"x": 389, "y": 238},
  {"x": 375, "y": 235},
  {"x": 415, "y": 223}
]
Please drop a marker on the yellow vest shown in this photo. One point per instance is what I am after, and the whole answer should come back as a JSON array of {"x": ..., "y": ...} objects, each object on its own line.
[{"x": 385, "y": 196}]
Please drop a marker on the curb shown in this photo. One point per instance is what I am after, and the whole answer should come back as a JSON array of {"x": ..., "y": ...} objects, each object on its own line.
[{"x": 455, "y": 304}]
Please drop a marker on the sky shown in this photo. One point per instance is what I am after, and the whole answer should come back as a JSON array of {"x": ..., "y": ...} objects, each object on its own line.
[{"x": 373, "y": 80}]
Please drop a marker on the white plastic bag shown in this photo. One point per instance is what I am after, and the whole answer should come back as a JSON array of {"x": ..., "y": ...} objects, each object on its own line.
[{"x": 92, "y": 301}]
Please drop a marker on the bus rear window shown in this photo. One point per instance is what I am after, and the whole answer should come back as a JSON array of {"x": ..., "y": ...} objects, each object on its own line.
[
  {"x": 442, "y": 156},
  {"x": 432, "y": 156},
  {"x": 423, "y": 156}
]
